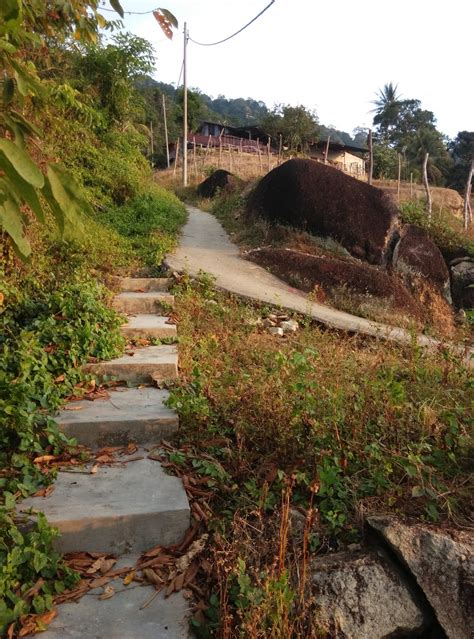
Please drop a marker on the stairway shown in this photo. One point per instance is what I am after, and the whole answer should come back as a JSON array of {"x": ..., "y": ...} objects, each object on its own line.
[{"x": 123, "y": 508}]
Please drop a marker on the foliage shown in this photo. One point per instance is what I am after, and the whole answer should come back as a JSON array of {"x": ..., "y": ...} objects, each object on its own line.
[
  {"x": 149, "y": 222},
  {"x": 403, "y": 126},
  {"x": 441, "y": 231},
  {"x": 462, "y": 152},
  {"x": 377, "y": 427},
  {"x": 297, "y": 125}
]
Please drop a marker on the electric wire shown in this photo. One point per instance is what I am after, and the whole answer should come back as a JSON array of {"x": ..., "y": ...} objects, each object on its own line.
[{"x": 213, "y": 44}]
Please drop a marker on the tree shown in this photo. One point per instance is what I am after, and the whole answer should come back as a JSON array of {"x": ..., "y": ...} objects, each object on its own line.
[
  {"x": 387, "y": 106},
  {"x": 297, "y": 125},
  {"x": 27, "y": 30},
  {"x": 462, "y": 153}
]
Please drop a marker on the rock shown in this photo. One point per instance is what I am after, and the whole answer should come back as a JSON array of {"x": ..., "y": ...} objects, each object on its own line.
[
  {"x": 462, "y": 282},
  {"x": 275, "y": 330},
  {"x": 267, "y": 322},
  {"x": 220, "y": 180},
  {"x": 364, "y": 595},
  {"x": 289, "y": 326},
  {"x": 442, "y": 563},
  {"x": 332, "y": 273},
  {"x": 326, "y": 202},
  {"x": 417, "y": 254}
]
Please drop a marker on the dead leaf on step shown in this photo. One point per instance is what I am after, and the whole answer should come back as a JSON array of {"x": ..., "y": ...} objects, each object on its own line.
[
  {"x": 45, "y": 459},
  {"x": 101, "y": 565},
  {"x": 129, "y": 578},
  {"x": 154, "y": 552},
  {"x": 44, "y": 492},
  {"x": 109, "y": 592},
  {"x": 99, "y": 583},
  {"x": 151, "y": 576},
  {"x": 34, "y": 590},
  {"x": 94, "y": 469},
  {"x": 73, "y": 407},
  {"x": 106, "y": 565}
]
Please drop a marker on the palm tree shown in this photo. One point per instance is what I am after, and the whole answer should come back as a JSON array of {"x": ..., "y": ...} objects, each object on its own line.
[{"x": 387, "y": 107}]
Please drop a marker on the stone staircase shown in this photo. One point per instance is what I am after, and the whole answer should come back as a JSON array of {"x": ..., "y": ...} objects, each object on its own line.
[{"x": 123, "y": 508}]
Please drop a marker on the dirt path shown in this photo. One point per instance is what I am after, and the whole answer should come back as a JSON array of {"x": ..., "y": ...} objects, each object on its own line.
[{"x": 205, "y": 246}]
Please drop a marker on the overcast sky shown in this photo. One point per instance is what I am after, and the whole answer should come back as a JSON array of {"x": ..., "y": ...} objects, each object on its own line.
[{"x": 330, "y": 56}]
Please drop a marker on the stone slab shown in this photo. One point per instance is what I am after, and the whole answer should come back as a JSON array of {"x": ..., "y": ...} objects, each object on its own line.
[
  {"x": 133, "y": 303},
  {"x": 146, "y": 325},
  {"x": 121, "y": 616},
  {"x": 159, "y": 361},
  {"x": 144, "y": 284},
  {"x": 127, "y": 415},
  {"x": 122, "y": 508}
]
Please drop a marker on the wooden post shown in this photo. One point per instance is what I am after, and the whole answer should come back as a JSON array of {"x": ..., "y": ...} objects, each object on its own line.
[
  {"x": 220, "y": 152},
  {"x": 411, "y": 185},
  {"x": 427, "y": 186},
  {"x": 194, "y": 156},
  {"x": 467, "y": 212},
  {"x": 166, "y": 133},
  {"x": 371, "y": 157},
  {"x": 399, "y": 175},
  {"x": 259, "y": 155},
  {"x": 151, "y": 142},
  {"x": 269, "y": 156},
  {"x": 326, "y": 150},
  {"x": 185, "y": 109},
  {"x": 230, "y": 158},
  {"x": 176, "y": 155},
  {"x": 280, "y": 149}
]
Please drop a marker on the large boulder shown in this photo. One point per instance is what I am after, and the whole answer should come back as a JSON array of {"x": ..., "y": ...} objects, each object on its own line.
[
  {"x": 364, "y": 595},
  {"x": 219, "y": 181},
  {"x": 416, "y": 254},
  {"x": 462, "y": 282},
  {"x": 324, "y": 201},
  {"x": 330, "y": 273},
  {"x": 442, "y": 563}
]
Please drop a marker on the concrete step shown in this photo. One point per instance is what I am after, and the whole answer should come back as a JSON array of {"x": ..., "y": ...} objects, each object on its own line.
[
  {"x": 146, "y": 325},
  {"x": 127, "y": 415},
  {"x": 140, "y": 364},
  {"x": 123, "y": 616},
  {"x": 135, "y": 303},
  {"x": 144, "y": 284},
  {"x": 122, "y": 508}
]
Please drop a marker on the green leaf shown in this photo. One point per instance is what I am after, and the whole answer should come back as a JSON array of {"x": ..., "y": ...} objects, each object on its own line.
[
  {"x": 22, "y": 163},
  {"x": 28, "y": 127},
  {"x": 10, "y": 9},
  {"x": 115, "y": 4},
  {"x": 12, "y": 221},
  {"x": 56, "y": 210},
  {"x": 7, "y": 46},
  {"x": 21, "y": 188},
  {"x": 8, "y": 91},
  {"x": 28, "y": 83},
  {"x": 67, "y": 192}
]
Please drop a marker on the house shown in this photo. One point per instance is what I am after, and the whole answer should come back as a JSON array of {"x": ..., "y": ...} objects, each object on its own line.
[
  {"x": 215, "y": 134},
  {"x": 347, "y": 158}
]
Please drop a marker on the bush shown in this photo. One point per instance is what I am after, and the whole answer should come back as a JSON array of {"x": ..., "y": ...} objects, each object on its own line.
[{"x": 449, "y": 241}]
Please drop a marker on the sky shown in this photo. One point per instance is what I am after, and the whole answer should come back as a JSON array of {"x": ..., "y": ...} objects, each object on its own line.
[{"x": 330, "y": 56}]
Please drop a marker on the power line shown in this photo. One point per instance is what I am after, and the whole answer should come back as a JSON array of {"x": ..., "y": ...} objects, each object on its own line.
[{"x": 213, "y": 44}]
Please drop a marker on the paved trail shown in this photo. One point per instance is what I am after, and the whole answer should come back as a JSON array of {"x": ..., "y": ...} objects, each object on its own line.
[{"x": 205, "y": 246}]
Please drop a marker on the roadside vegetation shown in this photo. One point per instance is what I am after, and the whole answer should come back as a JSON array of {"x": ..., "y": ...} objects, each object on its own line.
[
  {"x": 296, "y": 440},
  {"x": 54, "y": 307}
]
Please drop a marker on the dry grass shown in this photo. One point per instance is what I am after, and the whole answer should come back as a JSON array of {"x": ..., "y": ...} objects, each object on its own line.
[{"x": 310, "y": 433}]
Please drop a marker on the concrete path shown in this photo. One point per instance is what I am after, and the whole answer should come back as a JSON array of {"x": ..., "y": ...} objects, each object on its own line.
[{"x": 205, "y": 246}]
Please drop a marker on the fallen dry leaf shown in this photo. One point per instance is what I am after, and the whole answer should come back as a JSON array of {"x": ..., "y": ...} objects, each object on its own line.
[
  {"x": 129, "y": 578},
  {"x": 109, "y": 591},
  {"x": 196, "y": 547},
  {"x": 45, "y": 459},
  {"x": 73, "y": 408},
  {"x": 151, "y": 576}
]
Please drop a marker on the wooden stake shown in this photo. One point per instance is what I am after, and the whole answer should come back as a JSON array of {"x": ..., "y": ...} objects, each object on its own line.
[
  {"x": 427, "y": 186},
  {"x": 411, "y": 186},
  {"x": 166, "y": 133},
  {"x": 230, "y": 158},
  {"x": 194, "y": 156},
  {"x": 371, "y": 157},
  {"x": 467, "y": 212},
  {"x": 269, "y": 156},
  {"x": 176, "y": 158},
  {"x": 399, "y": 175},
  {"x": 259, "y": 155},
  {"x": 326, "y": 150}
]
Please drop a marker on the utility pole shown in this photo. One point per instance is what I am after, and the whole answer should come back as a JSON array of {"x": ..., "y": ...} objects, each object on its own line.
[
  {"x": 185, "y": 110},
  {"x": 166, "y": 132}
]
